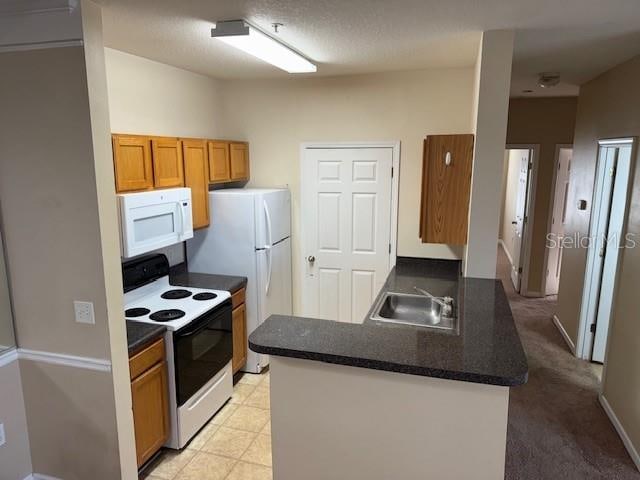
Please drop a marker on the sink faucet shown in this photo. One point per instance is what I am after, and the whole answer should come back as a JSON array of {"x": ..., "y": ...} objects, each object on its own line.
[{"x": 445, "y": 302}]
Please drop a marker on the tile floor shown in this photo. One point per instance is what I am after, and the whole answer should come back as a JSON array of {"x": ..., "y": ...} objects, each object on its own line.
[{"x": 234, "y": 445}]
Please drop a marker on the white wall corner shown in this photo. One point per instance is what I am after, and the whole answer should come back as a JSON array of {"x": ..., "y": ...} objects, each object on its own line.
[
  {"x": 493, "y": 81},
  {"x": 626, "y": 440}
]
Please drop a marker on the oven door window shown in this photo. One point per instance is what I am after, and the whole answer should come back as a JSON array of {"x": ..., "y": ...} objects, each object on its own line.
[{"x": 202, "y": 349}]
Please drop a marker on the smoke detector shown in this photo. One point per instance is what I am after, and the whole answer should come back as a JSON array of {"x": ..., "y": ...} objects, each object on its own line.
[{"x": 548, "y": 79}]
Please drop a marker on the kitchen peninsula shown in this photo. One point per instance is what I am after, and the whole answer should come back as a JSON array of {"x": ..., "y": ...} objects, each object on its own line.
[{"x": 381, "y": 400}]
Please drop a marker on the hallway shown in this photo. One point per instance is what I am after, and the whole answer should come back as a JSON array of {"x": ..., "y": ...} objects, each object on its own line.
[{"x": 557, "y": 429}]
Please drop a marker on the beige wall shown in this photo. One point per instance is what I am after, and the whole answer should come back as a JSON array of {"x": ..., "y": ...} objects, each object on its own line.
[
  {"x": 546, "y": 122},
  {"x": 489, "y": 123},
  {"x": 157, "y": 99},
  {"x": 607, "y": 108},
  {"x": 277, "y": 116},
  {"x": 512, "y": 176},
  {"x": 52, "y": 226},
  {"x": 15, "y": 457},
  {"x": 6, "y": 319}
]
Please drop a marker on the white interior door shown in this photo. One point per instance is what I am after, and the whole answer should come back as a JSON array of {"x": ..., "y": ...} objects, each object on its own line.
[
  {"x": 613, "y": 242},
  {"x": 522, "y": 157},
  {"x": 558, "y": 219},
  {"x": 346, "y": 221}
]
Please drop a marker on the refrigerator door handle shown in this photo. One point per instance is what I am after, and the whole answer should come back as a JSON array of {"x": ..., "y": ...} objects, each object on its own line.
[
  {"x": 270, "y": 268},
  {"x": 268, "y": 216},
  {"x": 268, "y": 247}
]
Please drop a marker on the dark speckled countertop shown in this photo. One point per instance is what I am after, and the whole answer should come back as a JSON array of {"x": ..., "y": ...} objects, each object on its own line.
[
  {"x": 179, "y": 276},
  {"x": 486, "y": 349},
  {"x": 139, "y": 335}
]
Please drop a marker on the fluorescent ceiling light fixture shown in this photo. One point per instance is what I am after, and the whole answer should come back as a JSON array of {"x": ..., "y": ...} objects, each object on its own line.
[{"x": 249, "y": 39}]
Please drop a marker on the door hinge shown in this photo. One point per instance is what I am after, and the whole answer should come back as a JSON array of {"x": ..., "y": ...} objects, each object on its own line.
[
  {"x": 391, "y": 172},
  {"x": 389, "y": 248},
  {"x": 519, "y": 269},
  {"x": 530, "y": 165},
  {"x": 602, "y": 251},
  {"x": 524, "y": 220},
  {"x": 592, "y": 328}
]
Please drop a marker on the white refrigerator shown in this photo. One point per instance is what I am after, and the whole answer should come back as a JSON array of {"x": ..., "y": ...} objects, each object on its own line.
[{"x": 249, "y": 236}]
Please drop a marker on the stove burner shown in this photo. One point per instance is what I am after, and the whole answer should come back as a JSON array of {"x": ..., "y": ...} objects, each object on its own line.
[
  {"x": 204, "y": 296},
  {"x": 136, "y": 312},
  {"x": 175, "y": 294},
  {"x": 166, "y": 315}
]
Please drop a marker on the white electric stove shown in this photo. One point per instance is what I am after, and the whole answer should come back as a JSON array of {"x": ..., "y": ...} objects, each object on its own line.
[{"x": 199, "y": 341}]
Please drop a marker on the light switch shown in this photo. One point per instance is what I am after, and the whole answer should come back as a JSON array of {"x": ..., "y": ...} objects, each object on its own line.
[{"x": 84, "y": 312}]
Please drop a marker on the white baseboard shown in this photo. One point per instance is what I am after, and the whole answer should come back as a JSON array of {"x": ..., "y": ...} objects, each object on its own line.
[
  {"x": 40, "y": 476},
  {"x": 506, "y": 252},
  {"x": 564, "y": 334},
  {"x": 633, "y": 453},
  {"x": 9, "y": 356}
]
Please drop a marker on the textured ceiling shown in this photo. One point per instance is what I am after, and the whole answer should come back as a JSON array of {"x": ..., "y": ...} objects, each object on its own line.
[{"x": 578, "y": 38}]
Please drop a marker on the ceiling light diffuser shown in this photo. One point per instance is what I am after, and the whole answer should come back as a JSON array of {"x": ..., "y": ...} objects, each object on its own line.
[{"x": 249, "y": 39}]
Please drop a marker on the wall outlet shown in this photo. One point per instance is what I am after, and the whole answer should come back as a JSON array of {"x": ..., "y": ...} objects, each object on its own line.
[
  {"x": 3, "y": 439},
  {"x": 84, "y": 312}
]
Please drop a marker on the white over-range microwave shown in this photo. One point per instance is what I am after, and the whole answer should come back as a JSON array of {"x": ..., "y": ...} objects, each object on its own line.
[{"x": 155, "y": 219}]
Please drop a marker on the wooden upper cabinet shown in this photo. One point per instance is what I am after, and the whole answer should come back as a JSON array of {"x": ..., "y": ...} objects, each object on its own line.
[
  {"x": 446, "y": 187},
  {"x": 219, "y": 165},
  {"x": 196, "y": 177},
  {"x": 132, "y": 163},
  {"x": 239, "y": 159},
  {"x": 167, "y": 162}
]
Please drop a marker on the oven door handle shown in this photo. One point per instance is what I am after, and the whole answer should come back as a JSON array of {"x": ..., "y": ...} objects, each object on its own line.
[{"x": 194, "y": 331}]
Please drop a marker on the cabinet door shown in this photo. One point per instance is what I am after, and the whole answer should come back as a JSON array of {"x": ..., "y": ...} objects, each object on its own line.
[
  {"x": 446, "y": 186},
  {"x": 219, "y": 167},
  {"x": 132, "y": 163},
  {"x": 167, "y": 162},
  {"x": 239, "y": 154},
  {"x": 239, "y": 338},
  {"x": 196, "y": 175},
  {"x": 150, "y": 411}
]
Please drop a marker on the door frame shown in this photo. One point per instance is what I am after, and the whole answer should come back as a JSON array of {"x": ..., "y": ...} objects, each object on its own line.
[
  {"x": 559, "y": 146},
  {"x": 395, "y": 189},
  {"x": 584, "y": 343},
  {"x": 525, "y": 249}
]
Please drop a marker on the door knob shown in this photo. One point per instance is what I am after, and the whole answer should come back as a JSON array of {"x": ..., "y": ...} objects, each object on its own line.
[{"x": 311, "y": 258}]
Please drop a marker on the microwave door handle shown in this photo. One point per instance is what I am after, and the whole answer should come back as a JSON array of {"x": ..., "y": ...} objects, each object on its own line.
[{"x": 181, "y": 217}]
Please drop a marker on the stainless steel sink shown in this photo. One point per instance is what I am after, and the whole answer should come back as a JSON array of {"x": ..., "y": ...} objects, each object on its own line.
[{"x": 421, "y": 310}]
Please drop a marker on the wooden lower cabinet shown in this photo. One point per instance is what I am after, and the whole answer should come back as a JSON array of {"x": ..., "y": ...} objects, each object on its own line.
[
  {"x": 239, "y": 316},
  {"x": 150, "y": 402}
]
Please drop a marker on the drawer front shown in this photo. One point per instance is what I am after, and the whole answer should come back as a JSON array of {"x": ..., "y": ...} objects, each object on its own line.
[
  {"x": 238, "y": 298},
  {"x": 147, "y": 358}
]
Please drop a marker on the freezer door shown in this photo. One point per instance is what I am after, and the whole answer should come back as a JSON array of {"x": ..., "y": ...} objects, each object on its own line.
[{"x": 273, "y": 217}]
